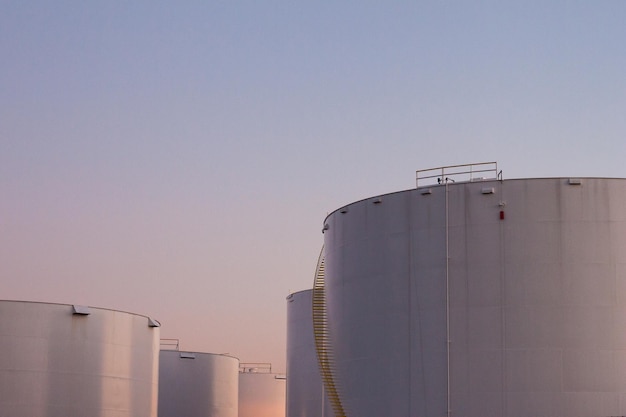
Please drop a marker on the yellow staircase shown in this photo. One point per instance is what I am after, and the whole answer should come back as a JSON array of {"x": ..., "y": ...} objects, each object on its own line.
[{"x": 322, "y": 339}]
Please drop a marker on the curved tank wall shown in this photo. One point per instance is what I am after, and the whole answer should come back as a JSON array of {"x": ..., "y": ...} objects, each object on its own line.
[
  {"x": 305, "y": 391},
  {"x": 194, "y": 384},
  {"x": 500, "y": 298},
  {"x": 261, "y": 393},
  {"x": 73, "y": 361}
]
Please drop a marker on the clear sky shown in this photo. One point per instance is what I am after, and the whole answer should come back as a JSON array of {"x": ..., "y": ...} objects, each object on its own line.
[{"x": 177, "y": 159}]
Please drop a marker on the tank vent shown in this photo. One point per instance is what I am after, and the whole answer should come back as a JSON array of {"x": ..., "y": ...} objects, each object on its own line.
[{"x": 322, "y": 339}]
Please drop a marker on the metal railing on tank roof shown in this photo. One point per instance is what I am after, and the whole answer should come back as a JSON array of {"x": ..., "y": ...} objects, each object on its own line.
[
  {"x": 255, "y": 367},
  {"x": 458, "y": 173},
  {"x": 169, "y": 344}
]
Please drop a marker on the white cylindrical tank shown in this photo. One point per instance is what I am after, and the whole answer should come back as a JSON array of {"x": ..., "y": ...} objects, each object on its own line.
[
  {"x": 305, "y": 391},
  {"x": 61, "y": 360},
  {"x": 488, "y": 298},
  {"x": 261, "y": 392},
  {"x": 194, "y": 384}
]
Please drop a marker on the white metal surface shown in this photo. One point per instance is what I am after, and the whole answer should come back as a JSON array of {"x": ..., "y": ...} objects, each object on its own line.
[
  {"x": 305, "y": 391},
  {"x": 194, "y": 384},
  {"x": 61, "y": 361},
  {"x": 464, "y": 303},
  {"x": 261, "y": 392}
]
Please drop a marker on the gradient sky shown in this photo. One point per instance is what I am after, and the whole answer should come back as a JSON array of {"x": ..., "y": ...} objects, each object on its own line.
[{"x": 177, "y": 159}]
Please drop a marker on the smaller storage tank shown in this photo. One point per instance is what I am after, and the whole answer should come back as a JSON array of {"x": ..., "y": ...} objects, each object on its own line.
[
  {"x": 261, "y": 392},
  {"x": 195, "y": 384},
  {"x": 305, "y": 390},
  {"x": 59, "y": 360}
]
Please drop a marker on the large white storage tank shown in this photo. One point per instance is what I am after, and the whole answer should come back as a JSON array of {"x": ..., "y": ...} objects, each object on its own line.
[
  {"x": 261, "y": 392},
  {"x": 195, "y": 384},
  {"x": 480, "y": 298},
  {"x": 61, "y": 360},
  {"x": 305, "y": 391}
]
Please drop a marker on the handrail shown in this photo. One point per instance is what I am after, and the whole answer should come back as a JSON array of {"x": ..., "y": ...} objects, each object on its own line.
[
  {"x": 323, "y": 344},
  {"x": 255, "y": 367},
  {"x": 169, "y": 344},
  {"x": 451, "y": 173}
]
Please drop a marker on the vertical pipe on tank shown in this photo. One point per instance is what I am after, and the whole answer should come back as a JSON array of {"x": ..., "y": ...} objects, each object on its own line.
[
  {"x": 505, "y": 408},
  {"x": 410, "y": 312},
  {"x": 447, "y": 305}
]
